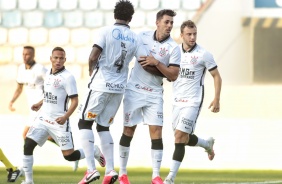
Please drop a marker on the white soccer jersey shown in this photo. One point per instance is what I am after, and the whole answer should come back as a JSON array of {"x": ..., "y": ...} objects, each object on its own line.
[
  {"x": 33, "y": 80},
  {"x": 119, "y": 45},
  {"x": 58, "y": 88},
  {"x": 188, "y": 89},
  {"x": 165, "y": 51}
]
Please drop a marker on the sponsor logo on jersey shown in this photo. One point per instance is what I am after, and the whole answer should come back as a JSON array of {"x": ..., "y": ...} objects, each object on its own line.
[
  {"x": 63, "y": 139},
  {"x": 47, "y": 121},
  {"x": 114, "y": 87},
  {"x": 162, "y": 52},
  {"x": 160, "y": 114},
  {"x": 138, "y": 86},
  {"x": 50, "y": 98},
  {"x": 91, "y": 115},
  {"x": 180, "y": 100},
  {"x": 117, "y": 34},
  {"x": 186, "y": 73},
  {"x": 187, "y": 121}
]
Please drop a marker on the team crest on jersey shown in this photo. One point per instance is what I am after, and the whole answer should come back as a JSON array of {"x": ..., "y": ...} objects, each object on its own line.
[
  {"x": 56, "y": 83},
  {"x": 193, "y": 60},
  {"x": 91, "y": 115},
  {"x": 162, "y": 52}
]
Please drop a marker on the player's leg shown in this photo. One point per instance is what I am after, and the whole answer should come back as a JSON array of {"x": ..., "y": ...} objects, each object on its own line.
[
  {"x": 106, "y": 119},
  {"x": 207, "y": 144}
]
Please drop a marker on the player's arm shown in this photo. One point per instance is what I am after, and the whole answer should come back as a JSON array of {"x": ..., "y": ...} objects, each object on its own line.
[
  {"x": 152, "y": 70},
  {"x": 37, "y": 106},
  {"x": 15, "y": 97},
  {"x": 171, "y": 72},
  {"x": 215, "y": 105},
  {"x": 72, "y": 107},
  {"x": 93, "y": 58}
]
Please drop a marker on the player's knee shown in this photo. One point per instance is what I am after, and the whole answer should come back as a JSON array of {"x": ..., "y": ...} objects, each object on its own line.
[
  {"x": 73, "y": 157},
  {"x": 101, "y": 128},
  {"x": 125, "y": 140},
  {"x": 84, "y": 124},
  {"x": 29, "y": 146},
  {"x": 157, "y": 144}
]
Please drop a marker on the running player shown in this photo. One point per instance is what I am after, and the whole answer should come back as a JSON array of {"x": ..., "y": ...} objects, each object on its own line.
[
  {"x": 188, "y": 94},
  {"x": 143, "y": 98},
  {"x": 13, "y": 172},
  {"x": 113, "y": 49},
  {"x": 53, "y": 118}
]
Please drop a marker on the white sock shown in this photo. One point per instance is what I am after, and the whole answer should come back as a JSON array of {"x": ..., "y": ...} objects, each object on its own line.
[
  {"x": 87, "y": 143},
  {"x": 173, "y": 169},
  {"x": 123, "y": 159},
  {"x": 202, "y": 143},
  {"x": 157, "y": 156},
  {"x": 107, "y": 146},
  {"x": 27, "y": 167}
]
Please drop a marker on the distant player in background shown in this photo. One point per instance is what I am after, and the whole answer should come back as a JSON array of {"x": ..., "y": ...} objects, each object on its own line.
[
  {"x": 143, "y": 98},
  {"x": 53, "y": 118},
  {"x": 188, "y": 95},
  {"x": 31, "y": 75},
  {"x": 113, "y": 49},
  {"x": 13, "y": 172}
]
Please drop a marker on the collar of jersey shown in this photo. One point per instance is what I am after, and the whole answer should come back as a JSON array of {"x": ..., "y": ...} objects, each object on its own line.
[
  {"x": 120, "y": 24},
  {"x": 190, "y": 49},
  {"x": 57, "y": 71},
  {"x": 32, "y": 64},
  {"x": 155, "y": 38}
]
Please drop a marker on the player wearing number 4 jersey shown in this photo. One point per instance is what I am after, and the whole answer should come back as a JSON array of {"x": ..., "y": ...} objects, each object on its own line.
[
  {"x": 113, "y": 49},
  {"x": 188, "y": 94},
  {"x": 143, "y": 99}
]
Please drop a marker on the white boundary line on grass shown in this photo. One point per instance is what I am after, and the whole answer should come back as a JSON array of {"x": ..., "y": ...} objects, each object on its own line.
[{"x": 261, "y": 182}]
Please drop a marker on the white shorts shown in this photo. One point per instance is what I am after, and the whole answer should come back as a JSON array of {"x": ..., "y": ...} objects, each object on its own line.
[
  {"x": 40, "y": 131},
  {"x": 185, "y": 118},
  {"x": 100, "y": 107},
  {"x": 138, "y": 107}
]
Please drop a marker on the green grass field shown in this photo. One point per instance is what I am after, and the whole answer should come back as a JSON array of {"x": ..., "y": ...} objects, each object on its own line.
[{"x": 65, "y": 175}]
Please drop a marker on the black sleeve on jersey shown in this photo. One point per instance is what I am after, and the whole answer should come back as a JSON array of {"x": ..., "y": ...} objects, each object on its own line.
[
  {"x": 213, "y": 68},
  {"x": 72, "y": 96},
  {"x": 100, "y": 48}
]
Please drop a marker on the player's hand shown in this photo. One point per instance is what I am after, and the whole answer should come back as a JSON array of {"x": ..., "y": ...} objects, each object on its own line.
[
  {"x": 61, "y": 120},
  {"x": 11, "y": 107},
  {"x": 148, "y": 60},
  {"x": 36, "y": 107},
  {"x": 214, "y": 106}
]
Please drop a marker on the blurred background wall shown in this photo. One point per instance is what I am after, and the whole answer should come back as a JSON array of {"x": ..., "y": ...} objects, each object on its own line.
[{"x": 243, "y": 35}]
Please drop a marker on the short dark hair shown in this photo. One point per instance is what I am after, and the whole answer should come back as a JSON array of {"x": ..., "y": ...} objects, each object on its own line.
[
  {"x": 29, "y": 47},
  {"x": 124, "y": 10},
  {"x": 187, "y": 23},
  {"x": 59, "y": 49},
  {"x": 163, "y": 12}
]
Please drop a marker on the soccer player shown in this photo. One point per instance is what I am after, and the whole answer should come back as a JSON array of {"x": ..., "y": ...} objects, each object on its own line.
[
  {"x": 113, "y": 49},
  {"x": 31, "y": 75},
  {"x": 53, "y": 118},
  {"x": 188, "y": 93},
  {"x": 143, "y": 98},
  {"x": 13, "y": 172}
]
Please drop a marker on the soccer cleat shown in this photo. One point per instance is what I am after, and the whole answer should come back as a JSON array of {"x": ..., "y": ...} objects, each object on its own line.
[
  {"x": 168, "y": 181},
  {"x": 75, "y": 165},
  {"x": 110, "y": 178},
  {"x": 13, "y": 175},
  {"x": 210, "y": 150},
  {"x": 24, "y": 182},
  {"x": 89, "y": 177},
  {"x": 157, "y": 180},
  {"x": 123, "y": 179},
  {"x": 99, "y": 156}
]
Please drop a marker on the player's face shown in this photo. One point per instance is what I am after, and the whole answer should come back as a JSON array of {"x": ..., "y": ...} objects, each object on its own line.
[
  {"x": 58, "y": 60},
  {"x": 189, "y": 36},
  {"x": 28, "y": 56},
  {"x": 165, "y": 25}
]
